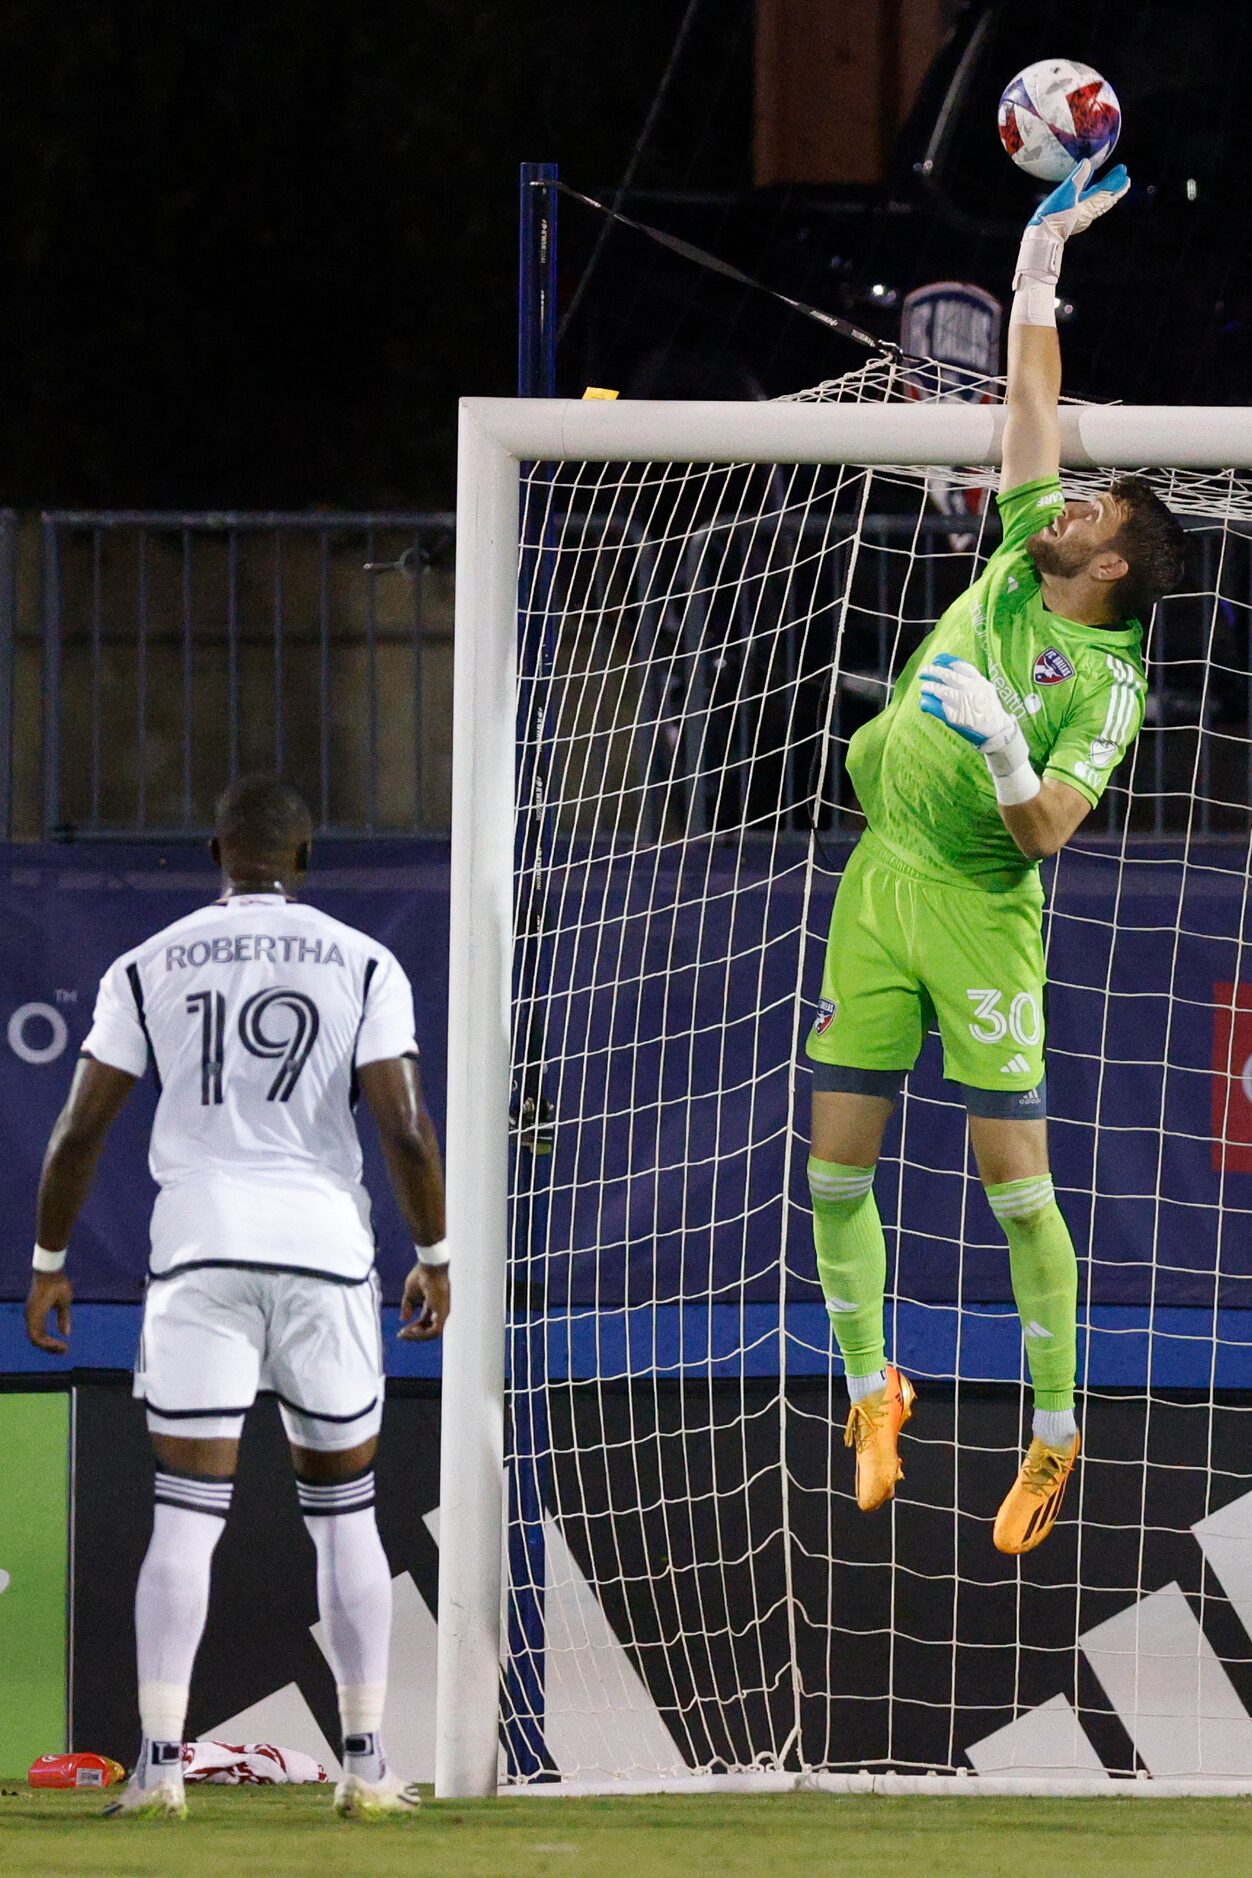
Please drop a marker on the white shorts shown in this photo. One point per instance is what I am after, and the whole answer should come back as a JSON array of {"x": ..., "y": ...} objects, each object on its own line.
[{"x": 214, "y": 1336}]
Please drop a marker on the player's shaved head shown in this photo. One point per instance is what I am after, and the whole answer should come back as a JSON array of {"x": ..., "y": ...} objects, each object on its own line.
[{"x": 262, "y": 831}]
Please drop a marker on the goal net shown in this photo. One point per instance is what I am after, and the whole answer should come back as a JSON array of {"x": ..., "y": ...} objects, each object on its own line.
[{"x": 688, "y": 1588}]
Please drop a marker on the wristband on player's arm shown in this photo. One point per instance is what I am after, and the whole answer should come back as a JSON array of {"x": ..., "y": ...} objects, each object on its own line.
[
  {"x": 434, "y": 1255},
  {"x": 1034, "y": 304},
  {"x": 1035, "y": 276},
  {"x": 1012, "y": 771},
  {"x": 44, "y": 1261}
]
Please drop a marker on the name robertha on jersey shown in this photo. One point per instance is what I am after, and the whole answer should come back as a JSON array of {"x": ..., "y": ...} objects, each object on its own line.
[{"x": 248, "y": 947}]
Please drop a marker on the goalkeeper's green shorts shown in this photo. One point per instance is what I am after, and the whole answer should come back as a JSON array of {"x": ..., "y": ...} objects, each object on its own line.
[{"x": 905, "y": 951}]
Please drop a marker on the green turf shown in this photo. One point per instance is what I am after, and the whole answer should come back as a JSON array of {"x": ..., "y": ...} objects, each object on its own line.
[{"x": 269, "y": 1833}]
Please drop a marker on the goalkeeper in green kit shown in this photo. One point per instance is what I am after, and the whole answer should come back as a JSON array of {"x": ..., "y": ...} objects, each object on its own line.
[{"x": 997, "y": 741}]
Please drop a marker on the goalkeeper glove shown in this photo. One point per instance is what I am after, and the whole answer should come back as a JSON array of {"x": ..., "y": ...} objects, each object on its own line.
[
  {"x": 1070, "y": 208},
  {"x": 961, "y": 698}
]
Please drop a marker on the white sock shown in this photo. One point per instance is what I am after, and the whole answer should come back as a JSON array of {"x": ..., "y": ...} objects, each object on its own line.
[
  {"x": 1055, "y": 1426},
  {"x": 861, "y": 1386},
  {"x": 354, "y": 1602},
  {"x": 171, "y": 1603}
]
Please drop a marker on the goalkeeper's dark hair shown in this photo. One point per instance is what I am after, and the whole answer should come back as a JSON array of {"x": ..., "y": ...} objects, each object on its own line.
[
  {"x": 262, "y": 818},
  {"x": 1153, "y": 545}
]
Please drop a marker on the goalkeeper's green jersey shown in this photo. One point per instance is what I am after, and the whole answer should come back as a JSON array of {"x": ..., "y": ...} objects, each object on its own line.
[{"x": 1077, "y": 692}]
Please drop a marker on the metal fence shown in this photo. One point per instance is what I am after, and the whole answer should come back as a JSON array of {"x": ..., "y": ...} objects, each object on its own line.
[
  {"x": 145, "y": 657},
  {"x": 178, "y": 649},
  {"x": 8, "y": 664}
]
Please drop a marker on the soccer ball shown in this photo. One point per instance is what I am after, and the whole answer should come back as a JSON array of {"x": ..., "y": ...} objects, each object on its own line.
[{"x": 1054, "y": 114}]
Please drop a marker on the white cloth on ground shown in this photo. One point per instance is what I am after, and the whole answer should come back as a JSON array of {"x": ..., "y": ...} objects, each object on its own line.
[{"x": 254, "y": 1764}]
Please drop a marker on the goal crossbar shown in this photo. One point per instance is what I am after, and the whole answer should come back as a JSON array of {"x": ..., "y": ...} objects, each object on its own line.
[
  {"x": 598, "y": 430},
  {"x": 496, "y": 436}
]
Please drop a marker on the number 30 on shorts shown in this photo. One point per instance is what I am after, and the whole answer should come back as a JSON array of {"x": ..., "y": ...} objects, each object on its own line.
[{"x": 990, "y": 1023}]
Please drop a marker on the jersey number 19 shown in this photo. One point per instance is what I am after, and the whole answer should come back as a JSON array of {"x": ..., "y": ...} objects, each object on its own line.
[{"x": 293, "y": 1049}]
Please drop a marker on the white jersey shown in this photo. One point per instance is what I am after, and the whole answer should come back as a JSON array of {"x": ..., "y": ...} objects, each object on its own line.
[{"x": 255, "y": 1014}]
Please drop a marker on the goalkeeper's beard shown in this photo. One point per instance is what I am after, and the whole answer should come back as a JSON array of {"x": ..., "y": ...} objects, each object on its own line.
[{"x": 1055, "y": 555}]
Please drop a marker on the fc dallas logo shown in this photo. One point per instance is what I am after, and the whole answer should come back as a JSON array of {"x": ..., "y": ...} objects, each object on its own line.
[{"x": 1052, "y": 668}]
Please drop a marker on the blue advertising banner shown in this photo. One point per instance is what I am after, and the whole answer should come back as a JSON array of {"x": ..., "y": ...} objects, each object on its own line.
[
  {"x": 676, "y": 1028},
  {"x": 673, "y": 1028}
]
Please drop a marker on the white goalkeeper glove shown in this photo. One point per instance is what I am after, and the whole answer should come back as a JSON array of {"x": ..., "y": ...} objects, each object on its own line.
[
  {"x": 1070, "y": 208},
  {"x": 957, "y": 694}
]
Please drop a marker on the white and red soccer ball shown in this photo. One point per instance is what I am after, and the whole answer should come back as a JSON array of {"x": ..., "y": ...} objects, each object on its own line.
[{"x": 1054, "y": 114}]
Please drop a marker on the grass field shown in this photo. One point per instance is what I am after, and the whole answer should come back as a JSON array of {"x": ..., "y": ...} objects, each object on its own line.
[{"x": 270, "y": 1833}]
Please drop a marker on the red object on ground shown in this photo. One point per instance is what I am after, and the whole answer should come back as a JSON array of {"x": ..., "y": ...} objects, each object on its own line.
[{"x": 75, "y": 1770}]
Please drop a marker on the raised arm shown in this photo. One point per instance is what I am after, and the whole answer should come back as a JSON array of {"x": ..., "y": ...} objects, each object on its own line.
[
  {"x": 1032, "y": 436},
  {"x": 96, "y": 1095},
  {"x": 393, "y": 1094}
]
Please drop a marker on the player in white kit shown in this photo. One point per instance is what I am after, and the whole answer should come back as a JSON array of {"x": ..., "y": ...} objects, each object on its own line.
[{"x": 261, "y": 1019}]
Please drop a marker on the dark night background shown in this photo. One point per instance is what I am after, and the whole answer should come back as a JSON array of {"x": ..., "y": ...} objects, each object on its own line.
[{"x": 253, "y": 254}]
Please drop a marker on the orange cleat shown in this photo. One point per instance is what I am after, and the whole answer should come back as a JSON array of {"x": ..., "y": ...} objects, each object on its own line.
[
  {"x": 1034, "y": 1500},
  {"x": 873, "y": 1429}
]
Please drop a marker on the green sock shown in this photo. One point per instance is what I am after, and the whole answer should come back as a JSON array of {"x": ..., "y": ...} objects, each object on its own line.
[
  {"x": 851, "y": 1261},
  {"x": 1045, "y": 1284}
]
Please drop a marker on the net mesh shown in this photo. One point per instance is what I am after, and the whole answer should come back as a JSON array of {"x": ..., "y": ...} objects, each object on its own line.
[{"x": 691, "y": 1586}]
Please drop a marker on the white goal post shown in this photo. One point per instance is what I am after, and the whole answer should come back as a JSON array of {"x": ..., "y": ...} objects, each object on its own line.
[{"x": 498, "y": 436}]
